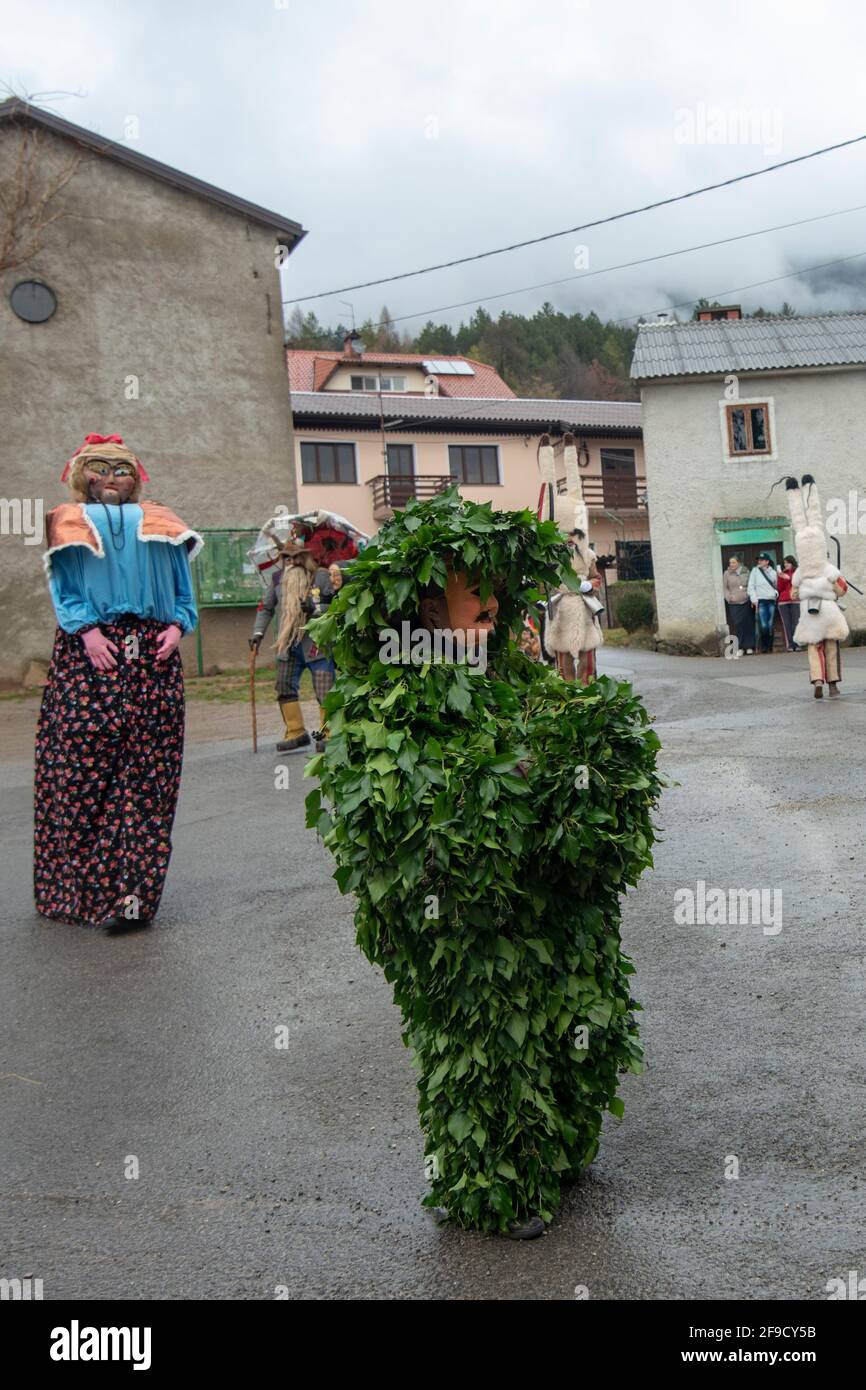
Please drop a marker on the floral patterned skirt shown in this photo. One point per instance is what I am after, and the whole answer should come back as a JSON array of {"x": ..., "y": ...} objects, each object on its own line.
[{"x": 109, "y": 751}]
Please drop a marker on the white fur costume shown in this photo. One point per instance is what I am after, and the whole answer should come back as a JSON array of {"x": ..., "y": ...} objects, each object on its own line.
[
  {"x": 572, "y": 627},
  {"x": 814, "y": 579}
]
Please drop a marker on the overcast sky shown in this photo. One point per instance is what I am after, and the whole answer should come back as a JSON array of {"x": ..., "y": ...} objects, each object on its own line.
[{"x": 401, "y": 135}]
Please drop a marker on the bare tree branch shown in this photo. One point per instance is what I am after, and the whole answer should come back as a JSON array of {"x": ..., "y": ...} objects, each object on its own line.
[{"x": 29, "y": 199}]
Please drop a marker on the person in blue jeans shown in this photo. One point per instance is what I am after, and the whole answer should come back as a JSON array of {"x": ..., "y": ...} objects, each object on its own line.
[{"x": 764, "y": 596}]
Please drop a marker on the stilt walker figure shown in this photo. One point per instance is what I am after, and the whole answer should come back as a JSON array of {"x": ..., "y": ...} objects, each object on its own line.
[
  {"x": 295, "y": 590},
  {"x": 572, "y": 632},
  {"x": 110, "y": 738},
  {"x": 817, "y": 585}
]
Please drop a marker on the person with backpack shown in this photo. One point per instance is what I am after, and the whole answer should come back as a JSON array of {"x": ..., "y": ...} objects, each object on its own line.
[{"x": 764, "y": 596}]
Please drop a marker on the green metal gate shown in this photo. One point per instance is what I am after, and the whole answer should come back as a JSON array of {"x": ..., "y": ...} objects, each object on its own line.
[{"x": 223, "y": 574}]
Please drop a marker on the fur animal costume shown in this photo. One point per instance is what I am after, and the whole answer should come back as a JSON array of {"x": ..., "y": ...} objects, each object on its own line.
[
  {"x": 817, "y": 584},
  {"x": 572, "y": 631}
]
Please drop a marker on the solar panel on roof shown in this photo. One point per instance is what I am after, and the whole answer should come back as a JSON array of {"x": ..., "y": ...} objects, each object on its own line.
[{"x": 439, "y": 367}]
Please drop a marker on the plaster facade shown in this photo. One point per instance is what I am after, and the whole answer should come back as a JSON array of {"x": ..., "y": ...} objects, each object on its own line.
[
  {"x": 698, "y": 493},
  {"x": 168, "y": 331},
  {"x": 518, "y": 485}
]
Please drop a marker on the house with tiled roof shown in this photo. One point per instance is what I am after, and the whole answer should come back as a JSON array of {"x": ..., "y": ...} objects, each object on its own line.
[
  {"x": 374, "y": 429},
  {"x": 354, "y": 369},
  {"x": 730, "y": 406}
]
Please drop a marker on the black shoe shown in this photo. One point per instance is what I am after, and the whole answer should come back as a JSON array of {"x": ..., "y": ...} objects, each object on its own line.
[
  {"x": 117, "y": 926},
  {"x": 819, "y": 691},
  {"x": 530, "y": 1229},
  {"x": 293, "y": 745}
]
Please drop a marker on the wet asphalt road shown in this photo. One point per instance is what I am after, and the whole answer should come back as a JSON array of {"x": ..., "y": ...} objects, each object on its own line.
[{"x": 302, "y": 1166}]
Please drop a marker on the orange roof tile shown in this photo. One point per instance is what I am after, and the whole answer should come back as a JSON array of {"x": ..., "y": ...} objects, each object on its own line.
[{"x": 310, "y": 368}]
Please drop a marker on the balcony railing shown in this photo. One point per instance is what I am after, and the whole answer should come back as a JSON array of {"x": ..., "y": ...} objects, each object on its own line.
[
  {"x": 392, "y": 493},
  {"x": 613, "y": 493}
]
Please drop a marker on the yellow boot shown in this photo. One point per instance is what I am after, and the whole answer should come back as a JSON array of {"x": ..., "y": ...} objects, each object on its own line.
[
  {"x": 322, "y": 732},
  {"x": 296, "y": 733}
]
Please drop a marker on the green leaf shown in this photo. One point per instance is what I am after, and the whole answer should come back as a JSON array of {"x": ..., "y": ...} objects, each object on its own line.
[
  {"x": 540, "y": 950},
  {"x": 391, "y": 699},
  {"x": 373, "y": 733},
  {"x": 517, "y": 1025},
  {"x": 600, "y": 1012},
  {"x": 616, "y": 1107},
  {"x": 459, "y": 1125},
  {"x": 458, "y": 698},
  {"x": 377, "y": 887},
  {"x": 383, "y": 763}
]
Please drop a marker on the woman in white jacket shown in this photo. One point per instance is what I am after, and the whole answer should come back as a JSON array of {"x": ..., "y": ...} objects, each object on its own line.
[{"x": 764, "y": 595}]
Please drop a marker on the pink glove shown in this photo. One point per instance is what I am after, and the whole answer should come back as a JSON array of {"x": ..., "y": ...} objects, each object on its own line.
[
  {"x": 99, "y": 648},
  {"x": 167, "y": 641}
]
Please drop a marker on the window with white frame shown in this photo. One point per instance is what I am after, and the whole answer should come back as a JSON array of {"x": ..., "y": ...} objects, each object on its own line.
[{"x": 378, "y": 383}]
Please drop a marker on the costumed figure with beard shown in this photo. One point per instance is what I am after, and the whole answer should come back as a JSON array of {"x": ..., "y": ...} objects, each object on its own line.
[
  {"x": 110, "y": 737},
  {"x": 572, "y": 633},
  {"x": 297, "y": 590},
  {"x": 487, "y": 816},
  {"x": 817, "y": 585}
]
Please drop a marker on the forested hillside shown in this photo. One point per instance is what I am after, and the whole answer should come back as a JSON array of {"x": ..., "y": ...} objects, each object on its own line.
[{"x": 546, "y": 354}]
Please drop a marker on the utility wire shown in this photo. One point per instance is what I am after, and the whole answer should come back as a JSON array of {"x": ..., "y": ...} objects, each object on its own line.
[
  {"x": 584, "y": 226},
  {"x": 756, "y": 284},
  {"x": 625, "y": 265}
]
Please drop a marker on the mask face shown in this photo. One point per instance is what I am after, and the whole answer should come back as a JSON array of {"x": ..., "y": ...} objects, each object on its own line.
[
  {"x": 110, "y": 482},
  {"x": 466, "y": 612}
]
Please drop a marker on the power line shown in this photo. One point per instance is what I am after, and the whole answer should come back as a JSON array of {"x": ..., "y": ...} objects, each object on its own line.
[
  {"x": 625, "y": 265},
  {"x": 583, "y": 227},
  {"x": 755, "y": 285}
]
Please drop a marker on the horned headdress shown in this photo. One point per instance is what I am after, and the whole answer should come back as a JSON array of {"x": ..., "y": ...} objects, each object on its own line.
[
  {"x": 810, "y": 537},
  {"x": 568, "y": 509}
]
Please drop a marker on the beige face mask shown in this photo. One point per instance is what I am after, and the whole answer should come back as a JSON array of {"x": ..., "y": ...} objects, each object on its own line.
[
  {"x": 111, "y": 482},
  {"x": 92, "y": 477}
]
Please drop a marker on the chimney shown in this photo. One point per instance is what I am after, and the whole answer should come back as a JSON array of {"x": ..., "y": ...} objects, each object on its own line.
[
  {"x": 721, "y": 311},
  {"x": 352, "y": 345}
]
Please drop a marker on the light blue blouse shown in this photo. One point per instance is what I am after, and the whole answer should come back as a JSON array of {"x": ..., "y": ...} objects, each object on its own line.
[{"x": 148, "y": 578}]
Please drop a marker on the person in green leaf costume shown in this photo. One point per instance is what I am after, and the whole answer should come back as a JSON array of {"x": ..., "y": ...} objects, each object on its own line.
[{"x": 487, "y": 815}]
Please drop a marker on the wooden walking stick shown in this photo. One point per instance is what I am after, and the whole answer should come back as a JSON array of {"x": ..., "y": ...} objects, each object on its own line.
[{"x": 254, "y": 651}]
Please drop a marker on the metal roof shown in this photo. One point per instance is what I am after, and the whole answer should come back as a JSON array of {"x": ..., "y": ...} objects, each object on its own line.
[
  {"x": 599, "y": 417},
  {"x": 748, "y": 345},
  {"x": 289, "y": 232}
]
